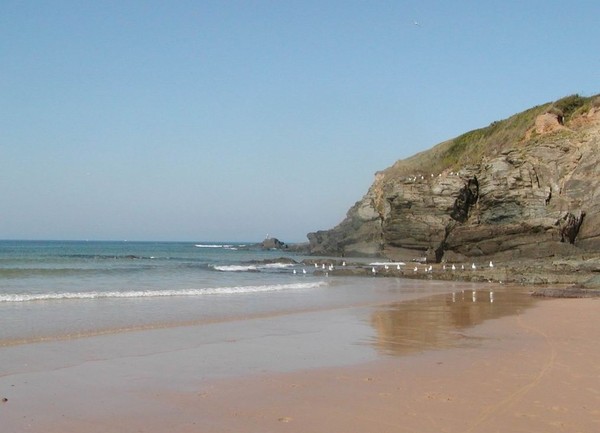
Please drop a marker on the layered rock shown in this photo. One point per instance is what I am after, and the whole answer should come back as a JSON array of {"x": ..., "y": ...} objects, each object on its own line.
[{"x": 523, "y": 187}]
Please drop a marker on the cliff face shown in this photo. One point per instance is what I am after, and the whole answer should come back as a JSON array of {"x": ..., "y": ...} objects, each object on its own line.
[{"x": 528, "y": 186}]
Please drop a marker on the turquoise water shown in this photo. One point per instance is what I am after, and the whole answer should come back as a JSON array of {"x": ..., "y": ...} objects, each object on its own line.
[
  {"x": 52, "y": 289},
  {"x": 41, "y": 270}
]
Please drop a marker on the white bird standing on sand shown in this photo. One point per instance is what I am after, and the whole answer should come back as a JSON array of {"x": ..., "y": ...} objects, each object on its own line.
[
  {"x": 398, "y": 266},
  {"x": 473, "y": 266},
  {"x": 294, "y": 272},
  {"x": 316, "y": 266},
  {"x": 430, "y": 269},
  {"x": 415, "y": 269},
  {"x": 373, "y": 271},
  {"x": 453, "y": 267},
  {"x": 462, "y": 267},
  {"x": 491, "y": 264},
  {"x": 343, "y": 263},
  {"x": 304, "y": 271}
]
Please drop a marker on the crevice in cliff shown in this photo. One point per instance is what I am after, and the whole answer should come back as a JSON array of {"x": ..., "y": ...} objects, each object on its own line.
[
  {"x": 569, "y": 226},
  {"x": 441, "y": 249},
  {"x": 467, "y": 197},
  {"x": 548, "y": 197}
]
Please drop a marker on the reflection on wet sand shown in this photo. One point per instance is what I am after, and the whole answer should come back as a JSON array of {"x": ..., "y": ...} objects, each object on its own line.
[{"x": 437, "y": 321}]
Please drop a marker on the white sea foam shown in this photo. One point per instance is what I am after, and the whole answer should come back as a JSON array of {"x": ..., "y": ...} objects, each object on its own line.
[
  {"x": 277, "y": 265},
  {"x": 235, "y": 268},
  {"x": 226, "y": 247},
  {"x": 251, "y": 268},
  {"x": 159, "y": 293}
]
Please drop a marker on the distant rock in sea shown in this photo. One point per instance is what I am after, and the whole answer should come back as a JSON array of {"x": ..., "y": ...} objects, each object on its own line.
[{"x": 273, "y": 244}]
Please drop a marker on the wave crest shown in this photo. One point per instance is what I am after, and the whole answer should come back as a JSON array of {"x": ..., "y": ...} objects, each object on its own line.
[
  {"x": 252, "y": 267},
  {"x": 157, "y": 293}
]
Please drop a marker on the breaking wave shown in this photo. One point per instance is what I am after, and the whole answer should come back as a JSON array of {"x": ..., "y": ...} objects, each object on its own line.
[
  {"x": 251, "y": 267},
  {"x": 223, "y": 246},
  {"x": 27, "y": 297}
]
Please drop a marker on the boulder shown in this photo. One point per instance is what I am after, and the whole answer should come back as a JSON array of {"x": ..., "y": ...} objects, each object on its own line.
[{"x": 272, "y": 244}]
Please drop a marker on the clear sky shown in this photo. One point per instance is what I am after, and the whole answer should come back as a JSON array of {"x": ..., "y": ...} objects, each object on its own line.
[{"x": 227, "y": 120}]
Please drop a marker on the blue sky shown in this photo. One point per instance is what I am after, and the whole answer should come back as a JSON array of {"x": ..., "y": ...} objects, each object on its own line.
[{"x": 228, "y": 120}]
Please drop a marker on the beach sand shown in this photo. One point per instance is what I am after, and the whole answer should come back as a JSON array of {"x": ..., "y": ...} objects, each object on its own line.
[{"x": 537, "y": 370}]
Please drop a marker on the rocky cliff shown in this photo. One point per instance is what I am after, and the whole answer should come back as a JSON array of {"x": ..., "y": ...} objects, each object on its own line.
[{"x": 524, "y": 187}]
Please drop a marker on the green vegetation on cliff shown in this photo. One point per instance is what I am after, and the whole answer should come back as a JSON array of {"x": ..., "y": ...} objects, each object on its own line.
[{"x": 470, "y": 147}]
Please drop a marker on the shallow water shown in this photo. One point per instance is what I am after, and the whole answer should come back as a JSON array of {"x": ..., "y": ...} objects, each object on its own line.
[
  {"x": 440, "y": 321},
  {"x": 57, "y": 290}
]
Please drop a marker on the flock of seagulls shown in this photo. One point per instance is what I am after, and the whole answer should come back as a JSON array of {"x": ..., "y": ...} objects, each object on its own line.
[
  {"x": 429, "y": 269},
  {"x": 414, "y": 178},
  {"x": 386, "y": 266}
]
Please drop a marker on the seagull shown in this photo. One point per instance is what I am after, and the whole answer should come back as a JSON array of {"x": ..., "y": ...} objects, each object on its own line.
[
  {"x": 316, "y": 266},
  {"x": 373, "y": 270},
  {"x": 491, "y": 264},
  {"x": 430, "y": 268},
  {"x": 304, "y": 271},
  {"x": 453, "y": 267},
  {"x": 398, "y": 266},
  {"x": 344, "y": 263},
  {"x": 294, "y": 272},
  {"x": 416, "y": 23},
  {"x": 415, "y": 269},
  {"x": 462, "y": 267},
  {"x": 473, "y": 266}
]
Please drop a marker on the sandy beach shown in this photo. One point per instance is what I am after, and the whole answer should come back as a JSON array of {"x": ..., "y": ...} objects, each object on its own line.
[{"x": 535, "y": 369}]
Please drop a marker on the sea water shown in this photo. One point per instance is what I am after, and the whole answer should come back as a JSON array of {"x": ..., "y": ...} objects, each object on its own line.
[{"x": 66, "y": 289}]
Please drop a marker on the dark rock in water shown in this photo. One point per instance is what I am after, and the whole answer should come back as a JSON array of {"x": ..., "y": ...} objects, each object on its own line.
[
  {"x": 283, "y": 260},
  {"x": 517, "y": 189},
  {"x": 273, "y": 244}
]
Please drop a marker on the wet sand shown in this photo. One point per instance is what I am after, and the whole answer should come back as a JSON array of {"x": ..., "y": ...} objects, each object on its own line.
[{"x": 446, "y": 364}]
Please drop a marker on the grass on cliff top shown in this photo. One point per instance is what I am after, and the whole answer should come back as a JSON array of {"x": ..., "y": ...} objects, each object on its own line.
[{"x": 471, "y": 147}]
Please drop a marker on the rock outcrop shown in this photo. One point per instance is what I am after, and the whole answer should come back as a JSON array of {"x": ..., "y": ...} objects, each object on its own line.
[
  {"x": 527, "y": 186},
  {"x": 272, "y": 244}
]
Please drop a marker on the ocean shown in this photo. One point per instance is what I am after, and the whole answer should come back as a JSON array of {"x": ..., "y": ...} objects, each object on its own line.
[
  {"x": 52, "y": 290},
  {"x": 66, "y": 289}
]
